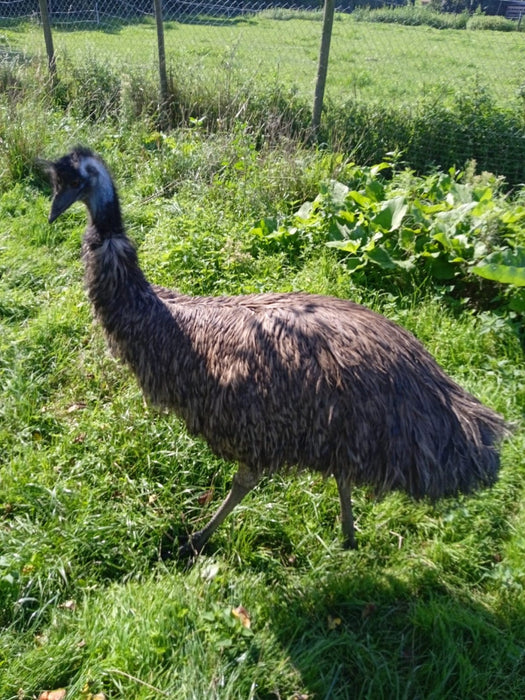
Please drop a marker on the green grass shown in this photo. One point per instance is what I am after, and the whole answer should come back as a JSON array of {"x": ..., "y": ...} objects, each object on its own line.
[
  {"x": 94, "y": 485},
  {"x": 369, "y": 62},
  {"x": 438, "y": 97}
]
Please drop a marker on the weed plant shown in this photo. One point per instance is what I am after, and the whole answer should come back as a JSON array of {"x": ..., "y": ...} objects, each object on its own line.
[
  {"x": 413, "y": 16},
  {"x": 96, "y": 486}
]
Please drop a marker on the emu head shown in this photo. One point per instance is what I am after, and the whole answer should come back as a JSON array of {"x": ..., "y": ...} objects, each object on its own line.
[{"x": 79, "y": 176}]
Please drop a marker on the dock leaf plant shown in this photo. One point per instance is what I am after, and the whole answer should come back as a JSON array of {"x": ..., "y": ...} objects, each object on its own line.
[{"x": 392, "y": 223}]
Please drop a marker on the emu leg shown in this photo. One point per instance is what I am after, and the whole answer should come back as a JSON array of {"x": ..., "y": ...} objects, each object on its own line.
[
  {"x": 347, "y": 518},
  {"x": 243, "y": 482}
]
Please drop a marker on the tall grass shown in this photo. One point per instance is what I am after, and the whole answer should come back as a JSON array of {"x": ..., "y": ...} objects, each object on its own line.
[
  {"x": 429, "y": 133},
  {"x": 96, "y": 486},
  {"x": 438, "y": 96},
  {"x": 410, "y": 15}
]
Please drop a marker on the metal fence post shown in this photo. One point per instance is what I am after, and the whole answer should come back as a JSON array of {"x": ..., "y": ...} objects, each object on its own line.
[
  {"x": 48, "y": 37},
  {"x": 322, "y": 70},
  {"x": 164, "y": 117}
]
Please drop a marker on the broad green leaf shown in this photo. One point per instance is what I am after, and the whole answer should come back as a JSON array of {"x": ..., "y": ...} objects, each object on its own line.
[
  {"x": 376, "y": 169},
  {"x": 485, "y": 195},
  {"x": 342, "y": 230},
  {"x": 514, "y": 215},
  {"x": 360, "y": 199},
  {"x": 305, "y": 211},
  {"x": 449, "y": 221},
  {"x": 432, "y": 208},
  {"x": 442, "y": 269},
  {"x": 442, "y": 237},
  {"x": 346, "y": 246},
  {"x": 407, "y": 238},
  {"x": 407, "y": 264},
  {"x": 506, "y": 274},
  {"x": 354, "y": 263},
  {"x": 338, "y": 192},
  {"x": 508, "y": 256},
  {"x": 352, "y": 239},
  {"x": 347, "y": 216},
  {"x": 391, "y": 214},
  {"x": 517, "y": 301},
  {"x": 506, "y": 266},
  {"x": 282, "y": 233},
  {"x": 264, "y": 226},
  {"x": 380, "y": 256},
  {"x": 461, "y": 193},
  {"x": 375, "y": 191},
  {"x": 335, "y": 230}
]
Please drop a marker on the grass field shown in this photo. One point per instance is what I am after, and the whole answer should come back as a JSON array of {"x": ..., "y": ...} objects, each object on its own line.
[
  {"x": 94, "y": 484},
  {"x": 369, "y": 62}
]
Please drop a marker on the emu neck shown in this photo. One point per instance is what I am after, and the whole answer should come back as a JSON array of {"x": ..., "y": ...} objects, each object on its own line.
[
  {"x": 104, "y": 209},
  {"x": 113, "y": 277}
]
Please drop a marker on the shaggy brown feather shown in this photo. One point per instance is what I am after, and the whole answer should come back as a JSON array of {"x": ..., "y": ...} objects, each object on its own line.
[{"x": 280, "y": 380}]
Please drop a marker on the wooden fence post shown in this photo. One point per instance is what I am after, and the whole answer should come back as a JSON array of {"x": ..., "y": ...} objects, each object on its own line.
[
  {"x": 322, "y": 70},
  {"x": 48, "y": 37},
  {"x": 164, "y": 97}
]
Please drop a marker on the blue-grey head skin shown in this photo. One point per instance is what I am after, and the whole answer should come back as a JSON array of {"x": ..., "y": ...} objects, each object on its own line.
[{"x": 82, "y": 176}]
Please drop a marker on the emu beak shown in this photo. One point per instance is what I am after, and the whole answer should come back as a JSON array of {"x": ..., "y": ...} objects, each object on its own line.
[{"x": 63, "y": 200}]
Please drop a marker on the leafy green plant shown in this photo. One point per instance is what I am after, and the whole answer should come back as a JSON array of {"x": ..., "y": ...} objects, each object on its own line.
[
  {"x": 412, "y": 15},
  {"x": 437, "y": 225},
  {"x": 93, "y": 482},
  {"x": 492, "y": 23}
]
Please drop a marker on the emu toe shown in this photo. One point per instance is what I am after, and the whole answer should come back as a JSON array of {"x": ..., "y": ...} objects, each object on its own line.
[{"x": 190, "y": 547}]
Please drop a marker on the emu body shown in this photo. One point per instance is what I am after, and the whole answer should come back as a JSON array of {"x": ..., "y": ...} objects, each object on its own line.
[{"x": 281, "y": 380}]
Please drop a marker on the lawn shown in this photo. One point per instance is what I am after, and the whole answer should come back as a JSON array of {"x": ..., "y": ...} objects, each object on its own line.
[
  {"x": 369, "y": 62},
  {"x": 96, "y": 486}
]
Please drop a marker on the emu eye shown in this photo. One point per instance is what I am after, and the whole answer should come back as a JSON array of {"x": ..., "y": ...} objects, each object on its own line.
[{"x": 75, "y": 183}]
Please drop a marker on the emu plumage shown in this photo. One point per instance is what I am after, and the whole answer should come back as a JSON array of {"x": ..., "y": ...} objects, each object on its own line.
[{"x": 280, "y": 380}]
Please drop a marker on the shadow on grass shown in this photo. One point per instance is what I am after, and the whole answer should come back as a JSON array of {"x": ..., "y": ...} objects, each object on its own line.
[
  {"x": 370, "y": 637},
  {"x": 116, "y": 25}
]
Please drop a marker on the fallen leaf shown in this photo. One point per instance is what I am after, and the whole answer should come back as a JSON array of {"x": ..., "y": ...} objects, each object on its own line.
[
  {"x": 368, "y": 610},
  {"x": 59, "y": 694},
  {"x": 205, "y": 498},
  {"x": 333, "y": 622},
  {"x": 242, "y": 614},
  {"x": 76, "y": 407},
  {"x": 210, "y": 571}
]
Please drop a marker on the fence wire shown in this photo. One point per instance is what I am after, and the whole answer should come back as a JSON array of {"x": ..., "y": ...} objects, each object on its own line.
[
  {"x": 219, "y": 38},
  {"x": 247, "y": 45},
  {"x": 259, "y": 40}
]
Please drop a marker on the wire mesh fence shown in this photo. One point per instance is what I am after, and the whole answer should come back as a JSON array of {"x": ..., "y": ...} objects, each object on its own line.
[
  {"x": 261, "y": 41},
  {"x": 247, "y": 45}
]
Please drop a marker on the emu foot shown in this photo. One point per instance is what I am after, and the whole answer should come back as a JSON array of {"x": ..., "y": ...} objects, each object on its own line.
[
  {"x": 350, "y": 543},
  {"x": 190, "y": 546},
  {"x": 175, "y": 546}
]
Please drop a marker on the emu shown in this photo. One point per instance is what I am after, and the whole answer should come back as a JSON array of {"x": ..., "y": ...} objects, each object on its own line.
[{"x": 275, "y": 381}]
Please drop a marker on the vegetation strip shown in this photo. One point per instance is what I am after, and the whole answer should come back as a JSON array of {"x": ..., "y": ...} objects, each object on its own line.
[{"x": 94, "y": 483}]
